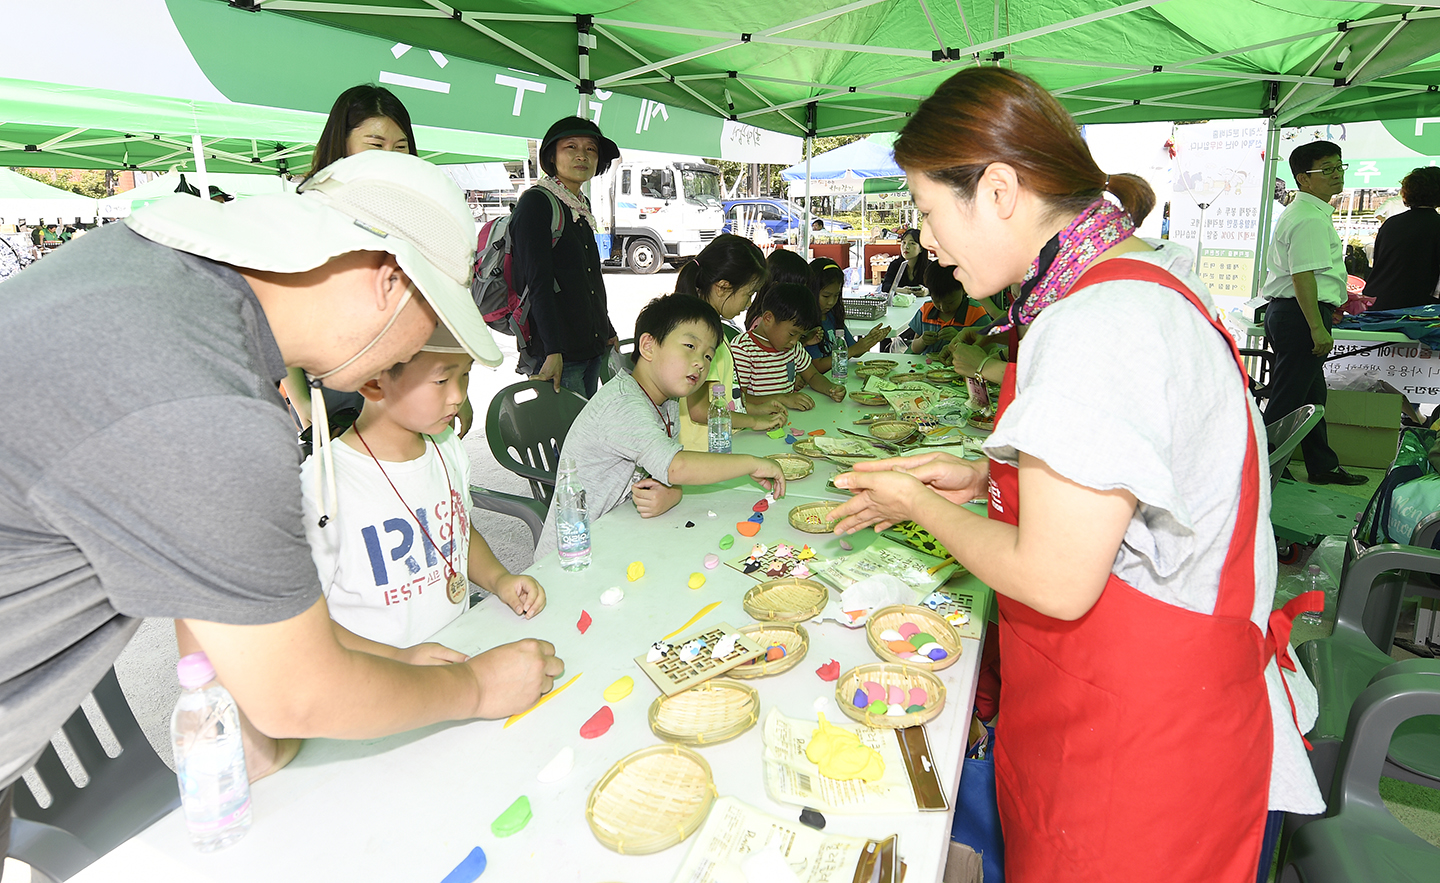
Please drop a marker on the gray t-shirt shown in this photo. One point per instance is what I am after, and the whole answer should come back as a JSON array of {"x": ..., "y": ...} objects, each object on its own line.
[
  {"x": 1126, "y": 385},
  {"x": 618, "y": 439},
  {"x": 147, "y": 468}
]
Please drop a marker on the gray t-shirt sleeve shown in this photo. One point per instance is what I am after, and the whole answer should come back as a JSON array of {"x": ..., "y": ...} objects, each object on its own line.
[{"x": 175, "y": 525}]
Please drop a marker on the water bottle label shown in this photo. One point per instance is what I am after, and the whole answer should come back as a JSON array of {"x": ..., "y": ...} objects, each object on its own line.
[{"x": 574, "y": 537}]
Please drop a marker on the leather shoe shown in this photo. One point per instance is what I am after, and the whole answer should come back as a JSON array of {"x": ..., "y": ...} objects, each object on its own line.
[{"x": 1339, "y": 476}]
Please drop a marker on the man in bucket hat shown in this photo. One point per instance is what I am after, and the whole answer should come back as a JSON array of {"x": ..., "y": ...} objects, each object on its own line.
[{"x": 148, "y": 466}]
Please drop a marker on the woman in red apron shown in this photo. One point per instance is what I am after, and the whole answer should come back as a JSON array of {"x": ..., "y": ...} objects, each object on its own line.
[{"x": 1137, "y": 724}]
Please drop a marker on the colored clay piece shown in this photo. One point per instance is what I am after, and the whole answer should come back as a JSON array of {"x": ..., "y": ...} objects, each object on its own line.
[
  {"x": 800, "y": 571},
  {"x": 938, "y": 654},
  {"x": 725, "y": 646},
  {"x": 634, "y": 571},
  {"x": 861, "y": 700},
  {"x": 759, "y": 550},
  {"x": 783, "y": 551},
  {"x": 776, "y": 570},
  {"x": 770, "y": 498},
  {"x": 805, "y": 553},
  {"x": 900, "y": 647},
  {"x": 840, "y": 755},
  {"x": 918, "y": 696},
  {"x": 830, "y": 671},
  {"x": 789, "y": 439},
  {"x": 727, "y": 541},
  {"x": 658, "y": 651},
  {"x": 514, "y": 819},
  {"x": 776, "y": 433},
  {"x": 611, "y": 596},
  {"x": 619, "y": 690},
  {"x": 812, "y": 819},
  {"x": 895, "y": 695},
  {"x": 696, "y": 580},
  {"x": 689, "y": 524},
  {"x": 924, "y": 649},
  {"x": 914, "y": 708},
  {"x": 908, "y": 630},
  {"x": 821, "y": 703},
  {"x": 599, "y": 723},
  {"x": 845, "y": 544},
  {"x": 559, "y": 767},
  {"x": 891, "y": 635},
  {"x": 691, "y": 651},
  {"x": 895, "y": 711},
  {"x": 751, "y": 566},
  {"x": 747, "y": 528},
  {"x": 757, "y": 517},
  {"x": 875, "y": 691},
  {"x": 905, "y": 656},
  {"x": 920, "y": 639},
  {"x": 709, "y": 513},
  {"x": 469, "y": 869},
  {"x": 817, "y": 432},
  {"x": 774, "y": 652},
  {"x": 878, "y": 707},
  {"x": 584, "y": 622},
  {"x": 760, "y": 506},
  {"x": 712, "y": 561}
]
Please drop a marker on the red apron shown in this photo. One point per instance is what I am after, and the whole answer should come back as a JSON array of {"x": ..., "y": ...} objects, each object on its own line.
[{"x": 1135, "y": 742}]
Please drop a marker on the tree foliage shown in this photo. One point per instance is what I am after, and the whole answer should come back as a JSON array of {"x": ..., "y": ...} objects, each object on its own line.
[{"x": 91, "y": 183}]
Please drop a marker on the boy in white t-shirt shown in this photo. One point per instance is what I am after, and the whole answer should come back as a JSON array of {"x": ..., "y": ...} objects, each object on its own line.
[{"x": 395, "y": 558}]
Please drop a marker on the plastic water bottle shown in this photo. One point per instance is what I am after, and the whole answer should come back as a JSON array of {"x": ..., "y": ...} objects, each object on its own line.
[
  {"x": 719, "y": 421},
  {"x": 1315, "y": 581},
  {"x": 209, "y": 757},
  {"x": 839, "y": 358},
  {"x": 572, "y": 523}
]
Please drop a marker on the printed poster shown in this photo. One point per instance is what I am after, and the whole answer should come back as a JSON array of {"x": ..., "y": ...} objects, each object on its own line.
[{"x": 1215, "y": 199}]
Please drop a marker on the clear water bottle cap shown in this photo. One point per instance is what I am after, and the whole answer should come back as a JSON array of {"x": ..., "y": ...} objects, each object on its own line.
[
  {"x": 195, "y": 671},
  {"x": 1313, "y": 570},
  {"x": 717, "y": 390}
]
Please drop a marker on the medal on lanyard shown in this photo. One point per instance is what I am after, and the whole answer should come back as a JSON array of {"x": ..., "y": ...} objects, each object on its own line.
[{"x": 457, "y": 586}]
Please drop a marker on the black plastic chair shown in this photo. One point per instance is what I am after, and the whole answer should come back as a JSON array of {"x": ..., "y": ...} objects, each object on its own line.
[
  {"x": 1358, "y": 839},
  {"x": 125, "y": 794},
  {"x": 525, "y": 427},
  {"x": 1258, "y": 365}
]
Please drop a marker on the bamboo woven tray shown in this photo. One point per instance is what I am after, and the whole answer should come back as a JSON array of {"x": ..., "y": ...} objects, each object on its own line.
[
  {"x": 943, "y": 375},
  {"x": 793, "y": 638},
  {"x": 886, "y": 675},
  {"x": 987, "y": 425},
  {"x": 806, "y": 447},
  {"x": 927, "y": 620},
  {"x": 793, "y": 466},
  {"x": 869, "y": 399},
  {"x": 811, "y": 517},
  {"x": 875, "y": 364},
  {"x": 650, "y": 800},
  {"x": 714, "y": 712},
  {"x": 906, "y": 378},
  {"x": 894, "y": 431},
  {"x": 787, "y": 599},
  {"x": 872, "y": 369}
]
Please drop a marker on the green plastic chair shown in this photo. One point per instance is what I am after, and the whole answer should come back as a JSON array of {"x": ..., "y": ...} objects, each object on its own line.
[
  {"x": 124, "y": 794},
  {"x": 1358, "y": 839},
  {"x": 608, "y": 368},
  {"x": 1285, "y": 435},
  {"x": 526, "y": 426}
]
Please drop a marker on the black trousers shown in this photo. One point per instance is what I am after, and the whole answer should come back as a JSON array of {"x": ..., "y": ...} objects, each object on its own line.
[{"x": 1298, "y": 377}]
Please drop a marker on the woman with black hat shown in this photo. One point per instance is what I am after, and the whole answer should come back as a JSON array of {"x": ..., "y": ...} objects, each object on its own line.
[{"x": 569, "y": 322}]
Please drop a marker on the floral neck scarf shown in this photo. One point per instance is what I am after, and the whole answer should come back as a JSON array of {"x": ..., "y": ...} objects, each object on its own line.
[
  {"x": 1099, "y": 228},
  {"x": 577, "y": 204}
]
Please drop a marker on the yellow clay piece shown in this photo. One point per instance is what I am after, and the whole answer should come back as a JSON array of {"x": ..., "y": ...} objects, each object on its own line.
[
  {"x": 696, "y": 580},
  {"x": 841, "y": 755},
  {"x": 620, "y": 689},
  {"x": 634, "y": 571}
]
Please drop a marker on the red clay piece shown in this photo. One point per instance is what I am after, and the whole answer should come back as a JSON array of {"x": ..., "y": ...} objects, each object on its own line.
[
  {"x": 761, "y": 506},
  {"x": 584, "y": 622},
  {"x": 599, "y": 723},
  {"x": 830, "y": 671}
]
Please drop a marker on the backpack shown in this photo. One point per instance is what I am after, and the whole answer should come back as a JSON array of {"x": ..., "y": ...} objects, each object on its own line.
[
  {"x": 493, "y": 286},
  {"x": 1409, "y": 492}
]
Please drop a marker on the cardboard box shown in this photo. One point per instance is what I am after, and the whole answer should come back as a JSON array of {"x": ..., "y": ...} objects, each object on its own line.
[{"x": 1363, "y": 427}]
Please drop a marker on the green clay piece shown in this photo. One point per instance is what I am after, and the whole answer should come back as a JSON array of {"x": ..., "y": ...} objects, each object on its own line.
[
  {"x": 512, "y": 820},
  {"x": 727, "y": 541},
  {"x": 776, "y": 433},
  {"x": 877, "y": 708},
  {"x": 914, "y": 708},
  {"x": 920, "y": 639}
]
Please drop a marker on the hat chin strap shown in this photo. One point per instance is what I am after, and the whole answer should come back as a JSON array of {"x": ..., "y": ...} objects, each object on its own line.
[{"x": 320, "y": 419}]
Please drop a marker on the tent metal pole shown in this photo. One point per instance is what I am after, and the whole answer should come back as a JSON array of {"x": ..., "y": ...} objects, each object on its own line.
[
  {"x": 960, "y": 7},
  {"x": 809, "y": 152},
  {"x": 511, "y": 44},
  {"x": 1267, "y": 205},
  {"x": 769, "y": 107},
  {"x": 202, "y": 177}
]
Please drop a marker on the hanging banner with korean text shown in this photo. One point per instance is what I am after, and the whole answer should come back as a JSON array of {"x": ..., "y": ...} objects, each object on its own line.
[{"x": 1216, "y": 190}]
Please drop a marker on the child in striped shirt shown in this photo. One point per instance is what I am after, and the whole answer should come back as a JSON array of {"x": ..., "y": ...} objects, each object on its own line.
[{"x": 769, "y": 358}]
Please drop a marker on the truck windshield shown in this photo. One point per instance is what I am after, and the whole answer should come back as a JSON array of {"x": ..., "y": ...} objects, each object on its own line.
[{"x": 701, "y": 186}]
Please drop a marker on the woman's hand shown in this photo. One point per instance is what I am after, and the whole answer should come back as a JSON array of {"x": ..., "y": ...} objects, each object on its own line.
[
  {"x": 888, "y": 491},
  {"x": 954, "y": 478},
  {"x": 551, "y": 369},
  {"x": 966, "y": 359},
  {"x": 653, "y": 498}
]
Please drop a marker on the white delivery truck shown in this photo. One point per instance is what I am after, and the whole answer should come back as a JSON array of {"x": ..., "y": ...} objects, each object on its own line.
[{"x": 656, "y": 209}]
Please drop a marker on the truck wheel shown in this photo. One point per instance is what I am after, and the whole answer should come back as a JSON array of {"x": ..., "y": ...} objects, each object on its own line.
[{"x": 643, "y": 256}]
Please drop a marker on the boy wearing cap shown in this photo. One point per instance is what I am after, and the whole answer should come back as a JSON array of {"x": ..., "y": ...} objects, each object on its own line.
[{"x": 159, "y": 475}]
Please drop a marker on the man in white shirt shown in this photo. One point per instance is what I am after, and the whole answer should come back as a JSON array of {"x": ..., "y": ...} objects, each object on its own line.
[{"x": 1305, "y": 284}]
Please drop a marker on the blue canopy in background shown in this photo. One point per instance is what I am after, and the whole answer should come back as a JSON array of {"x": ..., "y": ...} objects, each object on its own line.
[{"x": 871, "y": 157}]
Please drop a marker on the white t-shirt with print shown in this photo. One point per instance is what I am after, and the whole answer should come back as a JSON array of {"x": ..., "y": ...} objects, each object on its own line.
[{"x": 382, "y": 578}]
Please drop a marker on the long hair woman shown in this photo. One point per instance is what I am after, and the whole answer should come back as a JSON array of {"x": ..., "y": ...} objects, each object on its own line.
[{"x": 1144, "y": 727}]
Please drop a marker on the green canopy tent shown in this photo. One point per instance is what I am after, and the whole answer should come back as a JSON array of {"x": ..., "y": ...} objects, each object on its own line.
[{"x": 28, "y": 200}]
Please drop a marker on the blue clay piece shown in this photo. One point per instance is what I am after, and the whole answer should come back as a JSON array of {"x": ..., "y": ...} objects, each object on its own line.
[
  {"x": 938, "y": 654},
  {"x": 860, "y": 700},
  {"x": 757, "y": 518},
  {"x": 469, "y": 869},
  {"x": 789, "y": 439}
]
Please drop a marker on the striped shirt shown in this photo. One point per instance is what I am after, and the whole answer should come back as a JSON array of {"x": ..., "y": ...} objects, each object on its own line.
[{"x": 764, "y": 371}]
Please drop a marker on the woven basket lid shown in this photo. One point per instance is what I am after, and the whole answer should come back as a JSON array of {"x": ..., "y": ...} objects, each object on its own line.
[{"x": 650, "y": 799}]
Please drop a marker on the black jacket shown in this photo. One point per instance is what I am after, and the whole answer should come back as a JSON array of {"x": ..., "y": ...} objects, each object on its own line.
[
  {"x": 568, "y": 308},
  {"x": 1407, "y": 261}
]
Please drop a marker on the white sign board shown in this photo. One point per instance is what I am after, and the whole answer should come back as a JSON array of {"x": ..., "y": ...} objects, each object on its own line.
[
  {"x": 1412, "y": 368},
  {"x": 1216, "y": 190}
]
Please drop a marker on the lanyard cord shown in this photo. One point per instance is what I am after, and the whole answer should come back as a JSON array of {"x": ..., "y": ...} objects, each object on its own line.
[{"x": 448, "y": 486}]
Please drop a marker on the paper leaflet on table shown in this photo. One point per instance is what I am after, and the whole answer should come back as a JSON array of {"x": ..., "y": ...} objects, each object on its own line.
[
  {"x": 882, "y": 558},
  {"x": 734, "y": 832},
  {"x": 906, "y": 786},
  {"x": 847, "y": 447},
  {"x": 853, "y": 606}
]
